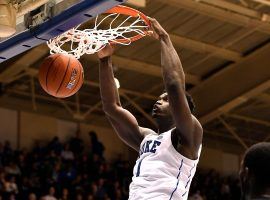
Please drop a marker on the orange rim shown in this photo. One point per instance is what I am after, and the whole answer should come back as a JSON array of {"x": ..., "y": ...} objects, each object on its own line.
[{"x": 124, "y": 10}]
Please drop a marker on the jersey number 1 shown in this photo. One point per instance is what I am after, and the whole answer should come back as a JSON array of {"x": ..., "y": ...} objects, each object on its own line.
[{"x": 139, "y": 168}]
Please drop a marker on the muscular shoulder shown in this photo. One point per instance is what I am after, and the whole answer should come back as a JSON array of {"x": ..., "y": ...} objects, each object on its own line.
[
  {"x": 146, "y": 131},
  {"x": 195, "y": 130},
  {"x": 188, "y": 148}
]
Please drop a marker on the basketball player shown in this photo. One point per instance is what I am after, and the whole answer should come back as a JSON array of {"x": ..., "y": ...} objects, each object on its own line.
[
  {"x": 167, "y": 158},
  {"x": 255, "y": 173}
]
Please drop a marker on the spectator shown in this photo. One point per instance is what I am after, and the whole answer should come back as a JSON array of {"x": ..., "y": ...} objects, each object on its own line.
[
  {"x": 13, "y": 169},
  {"x": 37, "y": 148},
  {"x": 196, "y": 196},
  {"x": 97, "y": 147},
  {"x": 7, "y": 153},
  {"x": 55, "y": 145},
  {"x": 2, "y": 181},
  {"x": 55, "y": 177},
  {"x": 24, "y": 188},
  {"x": 94, "y": 189},
  {"x": 12, "y": 196},
  {"x": 51, "y": 195},
  {"x": 32, "y": 196},
  {"x": 76, "y": 143},
  {"x": 67, "y": 154},
  {"x": 79, "y": 197},
  {"x": 7, "y": 148},
  {"x": 10, "y": 185},
  {"x": 101, "y": 191},
  {"x": 65, "y": 194},
  {"x": 90, "y": 197}
]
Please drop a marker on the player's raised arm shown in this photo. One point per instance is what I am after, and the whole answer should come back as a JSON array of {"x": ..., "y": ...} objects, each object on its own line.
[
  {"x": 188, "y": 128},
  {"x": 124, "y": 123}
]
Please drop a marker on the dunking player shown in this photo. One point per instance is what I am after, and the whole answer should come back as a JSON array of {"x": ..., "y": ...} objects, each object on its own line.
[{"x": 167, "y": 159}]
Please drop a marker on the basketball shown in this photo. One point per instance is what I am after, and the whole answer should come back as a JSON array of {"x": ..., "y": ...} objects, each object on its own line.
[{"x": 61, "y": 75}]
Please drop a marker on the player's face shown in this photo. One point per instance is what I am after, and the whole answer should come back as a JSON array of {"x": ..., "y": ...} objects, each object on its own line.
[{"x": 161, "y": 107}]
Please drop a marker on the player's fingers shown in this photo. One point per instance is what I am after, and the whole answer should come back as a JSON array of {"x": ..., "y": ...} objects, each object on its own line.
[{"x": 152, "y": 19}]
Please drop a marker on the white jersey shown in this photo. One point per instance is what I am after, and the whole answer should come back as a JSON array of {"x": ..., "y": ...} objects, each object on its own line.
[{"x": 160, "y": 172}]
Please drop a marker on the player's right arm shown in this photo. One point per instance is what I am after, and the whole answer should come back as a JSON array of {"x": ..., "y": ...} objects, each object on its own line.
[{"x": 123, "y": 122}]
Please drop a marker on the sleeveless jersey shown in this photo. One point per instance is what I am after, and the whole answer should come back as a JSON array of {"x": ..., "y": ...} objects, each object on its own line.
[{"x": 160, "y": 172}]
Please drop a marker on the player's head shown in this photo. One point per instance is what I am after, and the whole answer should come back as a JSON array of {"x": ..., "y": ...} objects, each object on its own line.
[
  {"x": 255, "y": 171},
  {"x": 161, "y": 109}
]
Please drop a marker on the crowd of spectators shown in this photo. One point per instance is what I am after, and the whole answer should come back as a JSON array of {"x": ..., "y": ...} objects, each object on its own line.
[
  {"x": 72, "y": 171},
  {"x": 210, "y": 185},
  {"x": 62, "y": 171}
]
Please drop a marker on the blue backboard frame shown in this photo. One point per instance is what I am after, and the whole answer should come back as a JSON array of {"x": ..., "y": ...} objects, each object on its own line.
[{"x": 69, "y": 18}]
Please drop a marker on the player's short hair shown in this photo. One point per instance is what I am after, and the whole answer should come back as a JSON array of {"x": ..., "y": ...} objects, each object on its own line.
[
  {"x": 257, "y": 160},
  {"x": 190, "y": 101}
]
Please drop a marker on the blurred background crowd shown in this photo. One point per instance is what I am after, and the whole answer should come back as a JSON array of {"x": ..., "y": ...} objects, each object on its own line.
[{"x": 71, "y": 170}]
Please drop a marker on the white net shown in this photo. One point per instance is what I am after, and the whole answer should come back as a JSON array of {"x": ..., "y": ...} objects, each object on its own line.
[{"x": 90, "y": 41}]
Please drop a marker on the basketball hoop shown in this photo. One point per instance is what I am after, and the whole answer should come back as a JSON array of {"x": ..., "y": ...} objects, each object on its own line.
[{"x": 132, "y": 26}]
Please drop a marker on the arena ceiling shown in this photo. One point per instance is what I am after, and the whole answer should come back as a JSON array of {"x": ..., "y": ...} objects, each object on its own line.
[{"x": 224, "y": 47}]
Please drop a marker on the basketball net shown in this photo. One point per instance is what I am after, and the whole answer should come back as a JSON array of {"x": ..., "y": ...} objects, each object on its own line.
[{"x": 90, "y": 41}]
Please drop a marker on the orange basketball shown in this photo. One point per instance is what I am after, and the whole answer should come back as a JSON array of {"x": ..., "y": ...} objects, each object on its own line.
[{"x": 61, "y": 75}]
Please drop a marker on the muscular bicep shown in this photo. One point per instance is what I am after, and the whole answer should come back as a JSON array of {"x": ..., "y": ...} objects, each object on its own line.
[{"x": 126, "y": 127}]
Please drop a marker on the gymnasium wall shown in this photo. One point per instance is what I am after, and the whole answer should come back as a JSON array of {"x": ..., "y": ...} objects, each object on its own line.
[
  {"x": 34, "y": 127},
  {"x": 224, "y": 162},
  {"x": 8, "y": 124}
]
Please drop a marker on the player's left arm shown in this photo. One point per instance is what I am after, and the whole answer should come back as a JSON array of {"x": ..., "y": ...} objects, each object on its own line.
[{"x": 188, "y": 127}]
